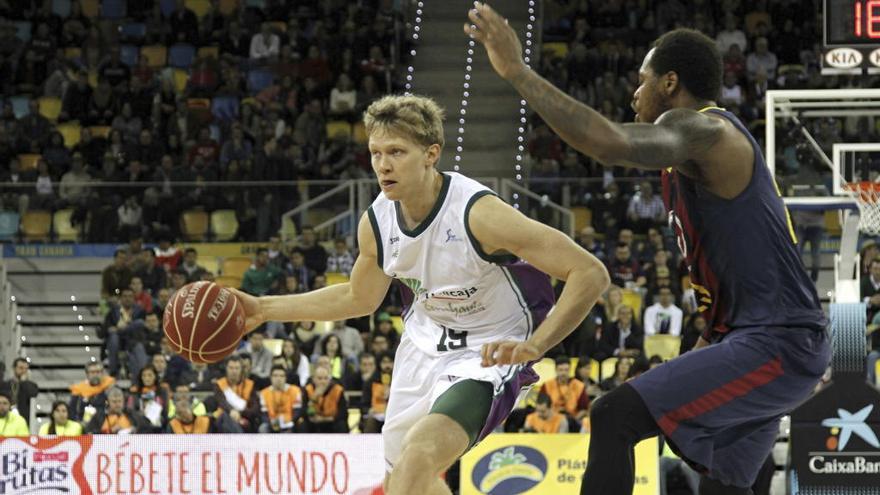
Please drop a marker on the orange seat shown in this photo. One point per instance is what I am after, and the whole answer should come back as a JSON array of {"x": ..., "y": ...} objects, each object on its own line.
[
  {"x": 194, "y": 225},
  {"x": 228, "y": 281},
  {"x": 235, "y": 266},
  {"x": 28, "y": 161},
  {"x": 36, "y": 225}
]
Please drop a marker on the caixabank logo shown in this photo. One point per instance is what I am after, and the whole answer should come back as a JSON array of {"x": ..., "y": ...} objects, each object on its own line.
[
  {"x": 43, "y": 466},
  {"x": 843, "y": 428},
  {"x": 511, "y": 469}
]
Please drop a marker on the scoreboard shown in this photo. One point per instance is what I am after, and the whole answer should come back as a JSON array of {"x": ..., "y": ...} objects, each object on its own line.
[{"x": 852, "y": 37}]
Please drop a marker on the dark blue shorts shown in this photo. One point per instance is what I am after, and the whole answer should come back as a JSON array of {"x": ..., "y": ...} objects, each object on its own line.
[{"x": 720, "y": 405}]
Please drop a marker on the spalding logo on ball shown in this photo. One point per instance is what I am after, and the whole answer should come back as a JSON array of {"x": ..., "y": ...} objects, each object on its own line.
[{"x": 204, "y": 322}]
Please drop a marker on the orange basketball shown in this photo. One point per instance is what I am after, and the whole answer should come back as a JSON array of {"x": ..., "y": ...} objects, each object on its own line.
[{"x": 204, "y": 322}]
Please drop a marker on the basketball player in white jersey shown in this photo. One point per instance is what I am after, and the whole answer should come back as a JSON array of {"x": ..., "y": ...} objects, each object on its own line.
[{"x": 456, "y": 246}]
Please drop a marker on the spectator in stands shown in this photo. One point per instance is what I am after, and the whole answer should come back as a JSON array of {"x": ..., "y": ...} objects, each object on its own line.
[
  {"x": 275, "y": 250},
  {"x": 237, "y": 148},
  {"x": 645, "y": 209},
  {"x": 11, "y": 423},
  {"x": 730, "y": 35},
  {"x": 326, "y": 407},
  {"x": 306, "y": 337},
  {"x": 175, "y": 366},
  {"x": 21, "y": 388},
  {"x": 295, "y": 361},
  {"x": 265, "y": 45},
  {"x": 622, "y": 338},
  {"x": 379, "y": 344},
  {"x": 343, "y": 98},
  {"x": 356, "y": 380},
  {"x": 191, "y": 265},
  {"x": 621, "y": 371},
  {"x": 76, "y": 99},
  {"x": 663, "y": 317},
  {"x": 545, "y": 419},
  {"x": 261, "y": 278},
  {"x": 60, "y": 423},
  {"x": 178, "y": 280},
  {"x": 162, "y": 299},
  {"x": 384, "y": 326},
  {"x": 349, "y": 338},
  {"x": 281, "y": 403},
  {"x": 185, "y": 421},
  {"x": 34, "y": 128},
  {"x": 261, "y": 358},
  {"x": 331, "y": 349},
  {"x": 870, "y": 289},
  {"x": 236, "y": 396},
  {"x": 89, "y": 395},
  {"x": 116, "y": 419},
  {"x": 297, "y": 268},
  {"x": 761, "y": 59},
  {"x": 168, "y": 256},
  {"x": 694, "y": 328},
  {"x": 568, "y": 394},
  {"x": 374, "y": 398},
  {"x": 184, "y": 24},
  {"x": 141, "y": 297},
  {"x": 587, "y": 239},
  {"x": 148, "y": 398},
  {"x": 341, "y": 259},
  {"x": 152, "y": 276},
  {"x": 624, "y": 270},
  {"x": 73, "y": 189},
  {"x": 117, "y": 331},
  {"x": 315, "y": 254},
  {"x": 732, "y": 94}
]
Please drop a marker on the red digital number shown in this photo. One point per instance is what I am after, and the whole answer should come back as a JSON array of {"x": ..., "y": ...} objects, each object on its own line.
[{"x": 871, "y": 19}]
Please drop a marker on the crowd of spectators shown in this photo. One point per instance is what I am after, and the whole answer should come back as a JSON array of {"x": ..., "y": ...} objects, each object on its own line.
[{"x": 165, "y": 101}]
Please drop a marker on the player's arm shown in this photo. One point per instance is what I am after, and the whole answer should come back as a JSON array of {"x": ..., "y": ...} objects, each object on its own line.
[
  {"x": 499, "y": 228},
  {"x": 360, "y": 296}
]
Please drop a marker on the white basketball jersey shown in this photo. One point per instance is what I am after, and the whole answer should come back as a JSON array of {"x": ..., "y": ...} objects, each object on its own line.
[{"x": 461, "y": 298}]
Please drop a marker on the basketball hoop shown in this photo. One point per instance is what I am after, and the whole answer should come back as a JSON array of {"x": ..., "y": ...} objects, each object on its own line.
[{"x": 867, "y": 196}]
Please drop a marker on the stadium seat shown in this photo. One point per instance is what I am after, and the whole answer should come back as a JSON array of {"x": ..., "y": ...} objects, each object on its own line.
[
  {"x": 607, "y": 368},
  {"x": 259, "y": 79},
  {"x": 595, "y": 370},
  {"x": 23, "y": 30},
  {"x": 157, "y": 55},
  {"x": 210, "y": 263},
  {"x": 225, "y": 108},
  {"x": 61, "y": 8},
  {"x": 274, "y": 346},
  {"x": 877, "y": 373},
  {"x": 100, "y": 131},
  {"x": 73, "y": 53},
  {"x": 665, "y": 346},
  {"x": 546, "y": 370},
  {"x": 90, "y": 8},
  {"x": 20, "y": 106},
  {"x": 36, "y": 225},
  {"x": 359, "y": 133},
  {"x": 583, "y": 216},
  {"x": 235, "y": 266},
  {"x": 229, "y": 7},
  {"x": 354, "y": 420},
  {"x": 114, "y": 9},
  {"x": 199, "y": 7},
  {"x": 8, "y": 225},
  {"x": 128, "y": 54},
  {"x": 71, "y": 131},
  {"x": 556, "y": 50},
  {"x": 50, "y": 107},
  {"x": 397, "y": 323},
  {"x": 208, "y": 52},
  {"x": 194, "y": 225},
  {"x": 133, "y": 31},
  {"x": 167, "y": 7},
  {"x": 181, "y": 55},
  {"x": 335, "y": 127},
  {"x": 634, "y": 300},
  {"x": 227, "y": 281},
  {"x": 181, "y": 79},
  {"x": 288, "y": 228},
  {"x": 322, "y": 327},
  {"x": 224, "y": 225},
  {"x": 28, "y": 161},
  {"x": 335, "y": 278},
  {"x": 63, "y": 229}
]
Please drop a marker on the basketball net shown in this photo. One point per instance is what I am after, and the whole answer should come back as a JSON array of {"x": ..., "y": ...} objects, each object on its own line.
[{"x": 866, "y": 194}]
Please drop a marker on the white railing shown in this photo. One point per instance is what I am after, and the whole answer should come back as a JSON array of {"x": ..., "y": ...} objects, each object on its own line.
[
  {"x": 561, "y": 218},
  {"x": 10, "y": 330}
]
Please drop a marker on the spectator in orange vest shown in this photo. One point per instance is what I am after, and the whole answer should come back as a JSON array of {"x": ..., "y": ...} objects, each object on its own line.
[
  {"x": 545, "y": 419},
  {"x": 88, "y": 395},
  {"x": 375, "y": 395},
  {"x": 281, "y": 403},
  {"x": 115, "y": 419},
  {"x": 326, "y": 409},
  {"x": 568, "y": 395},
  {"x": 236, "y": 396}
]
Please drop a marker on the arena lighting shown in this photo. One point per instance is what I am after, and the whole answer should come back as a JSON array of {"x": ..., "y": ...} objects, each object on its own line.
[
  {"x": 465, "y": 94},
  {"x": 523, "y": 121},
  {"x": 410, "y": 70}
]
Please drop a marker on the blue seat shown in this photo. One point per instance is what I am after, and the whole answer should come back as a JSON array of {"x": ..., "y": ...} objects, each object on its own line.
[
  {"x": 167, "y": 7},
  {"x": 8, "y": 225},
  {"x": 61, "y": 8},
  {"x": 129, "y": 55},
  {"x": 20, "y": 106},
  {"x": 225, "y": 108},
  {"x": 181, "y": 55},
  {"x": 23, "y": 30},
  {"x": 114, "y": 9},
  {"x": 259, "y": 79},
  {"x": 133, "y": 31}
]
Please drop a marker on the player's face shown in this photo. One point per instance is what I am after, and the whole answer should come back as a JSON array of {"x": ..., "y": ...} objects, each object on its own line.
[
  {"x": 403, "y": 167},
  {"x": 648, "y": 102}
]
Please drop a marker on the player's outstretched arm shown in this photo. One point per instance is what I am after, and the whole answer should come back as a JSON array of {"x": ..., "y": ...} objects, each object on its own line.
[
  {"x": 498, "y": 227},
  {"x": 360, "y": 296},
  {"x": 679, "y": 136}
]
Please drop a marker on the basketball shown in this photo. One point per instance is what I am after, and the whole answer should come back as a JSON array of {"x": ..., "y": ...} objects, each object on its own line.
[{"x": 204, "y": 322}]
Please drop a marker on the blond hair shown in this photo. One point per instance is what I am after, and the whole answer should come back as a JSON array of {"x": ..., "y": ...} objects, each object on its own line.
[{"x": 418, "y": 118}]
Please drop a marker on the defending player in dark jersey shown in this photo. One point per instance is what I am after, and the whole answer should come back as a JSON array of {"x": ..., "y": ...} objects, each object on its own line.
[{"x": 766, "y": 346}]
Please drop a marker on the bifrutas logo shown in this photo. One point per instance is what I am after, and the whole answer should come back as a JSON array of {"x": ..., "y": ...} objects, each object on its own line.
[
  {"x": 513, "y": 469},
  {"x": 43, "y": 466}
]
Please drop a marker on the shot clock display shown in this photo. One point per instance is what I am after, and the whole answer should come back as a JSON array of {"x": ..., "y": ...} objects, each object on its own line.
[{"x": 852, "y": 22}]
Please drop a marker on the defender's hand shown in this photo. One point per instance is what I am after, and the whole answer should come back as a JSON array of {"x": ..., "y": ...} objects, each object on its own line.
[
  {"x": 253, "y": 310},
  {"x": 500, "y": 40},
  {"x": 508, "y": 353}
]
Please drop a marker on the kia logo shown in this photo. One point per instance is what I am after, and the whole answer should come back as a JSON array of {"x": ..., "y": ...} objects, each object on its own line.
[
  {"x": 843, "y": 58},
  {"x": 874, "y": 57}
]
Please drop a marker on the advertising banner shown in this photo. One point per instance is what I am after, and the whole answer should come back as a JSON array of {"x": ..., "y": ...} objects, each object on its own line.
[
  {"x": 527, "y": 463},
  {"x": 192, "y": 464}
]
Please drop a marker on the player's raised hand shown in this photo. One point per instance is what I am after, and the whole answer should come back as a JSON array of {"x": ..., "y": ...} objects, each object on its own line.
[
  {"x": 508, "y": 353},
  {"x": 500, "y": 40},
  {"x": 253, "y": 311}
]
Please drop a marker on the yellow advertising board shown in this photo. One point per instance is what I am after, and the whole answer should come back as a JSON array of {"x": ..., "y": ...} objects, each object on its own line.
[
  {"x": 543, "y": 464},
  {"x": 224, "y": 249}
]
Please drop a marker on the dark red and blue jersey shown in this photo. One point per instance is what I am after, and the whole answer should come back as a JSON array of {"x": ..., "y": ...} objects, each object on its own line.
[{"x": 742, "y": 255}]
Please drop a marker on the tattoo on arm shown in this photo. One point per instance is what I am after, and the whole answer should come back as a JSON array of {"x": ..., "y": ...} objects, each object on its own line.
[{"x": 679, "y": 135}]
